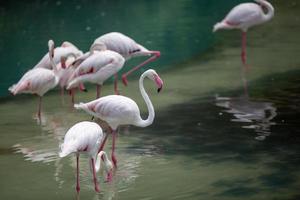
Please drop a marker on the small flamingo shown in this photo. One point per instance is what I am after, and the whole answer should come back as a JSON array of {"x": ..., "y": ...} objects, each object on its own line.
[
  {"x": 97, "y": 68},
  {"x": 127, "y": 47},
  {"x": 85, "y": 137},
  {"x": 244, "y": 16},
  {"x": 120, "y": 110},
  {"x": 38, "y": 80}
]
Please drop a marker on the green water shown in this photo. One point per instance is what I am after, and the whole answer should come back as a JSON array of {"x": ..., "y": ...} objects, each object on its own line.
[{"x": 199, "y": 146}]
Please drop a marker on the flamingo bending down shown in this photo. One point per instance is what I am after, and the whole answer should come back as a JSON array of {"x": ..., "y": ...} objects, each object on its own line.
[
  {"x": 85, "y": 137},
  {"x": 120, "y": 110},
  {"x": 127, "y": 47},
  {"x": 38, "y": 80},
  {"x": 97, "y": 68},
  {"x": 64, "y": 51},
  {"x": 244, "y": 16}
]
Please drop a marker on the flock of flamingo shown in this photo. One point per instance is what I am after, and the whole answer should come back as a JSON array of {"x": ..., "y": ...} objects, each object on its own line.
[{"x": 69, "y": 68}]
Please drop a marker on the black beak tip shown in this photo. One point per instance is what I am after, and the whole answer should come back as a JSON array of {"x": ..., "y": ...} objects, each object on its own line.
[{"x": 159, "y": 89}]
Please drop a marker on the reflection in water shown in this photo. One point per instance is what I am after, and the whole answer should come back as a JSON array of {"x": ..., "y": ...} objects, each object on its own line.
[{"x": 257, "y": 114}]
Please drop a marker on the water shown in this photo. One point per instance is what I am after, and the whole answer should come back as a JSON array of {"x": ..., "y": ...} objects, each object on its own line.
[{"x": 210, "y": 139}]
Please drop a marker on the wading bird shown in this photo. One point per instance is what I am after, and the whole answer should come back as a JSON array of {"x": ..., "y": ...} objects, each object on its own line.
[
  {"x": 120, "y": 110},
  {"x": 97, "y": 68},
  {"x": 244, "y": 16},
  {"x": 38, "y": 80},
  {"x": 86, "y": 137},
  {"x": 127, "y": 47}
]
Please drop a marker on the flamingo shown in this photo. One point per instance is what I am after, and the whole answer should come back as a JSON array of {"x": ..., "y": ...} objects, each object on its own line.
[
  {"x": 127, "y": 47},
  {"x": 64, "y": 51},
  {"x": 244, "y": 16},
  {"x": 97, "y": 68},
  {"x": 119, "y": 110},
  {"x": 85, "y": 137},
  {"x": 38, "y": 80}
]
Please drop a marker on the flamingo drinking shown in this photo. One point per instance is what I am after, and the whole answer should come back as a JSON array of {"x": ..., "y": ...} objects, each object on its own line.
[
  {"x": 120, "y": 110},
  {"x": 244, "y": 16},
  {"x": 85, "y": 137}
]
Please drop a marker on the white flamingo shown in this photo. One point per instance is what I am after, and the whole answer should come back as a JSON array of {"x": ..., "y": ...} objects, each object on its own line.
[
  {"x": 85, "y": 137},
  {"x": 97, "y": 68},
  {"x": 38, "y": 80},
  {"x": 127, "y": 47},
  {"x": 64, "y": 51},
  {"x": 244, "y": 16},
  {"x": 120, "y": 110}
]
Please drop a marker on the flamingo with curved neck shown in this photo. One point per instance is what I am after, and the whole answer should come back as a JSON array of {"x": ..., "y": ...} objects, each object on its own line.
[
  {"x": 244, "y": 16},
  {"x": 85, "y": 137},
  {"x": 119, "y": 110}
]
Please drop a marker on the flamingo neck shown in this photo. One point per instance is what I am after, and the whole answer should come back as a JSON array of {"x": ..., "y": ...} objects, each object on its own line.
[
  {"x": 53, "y": 64},
  {"x": 270, "y": 13},
  {"x": 106, "y": 161},
  {"x": 149, "y": 120}
]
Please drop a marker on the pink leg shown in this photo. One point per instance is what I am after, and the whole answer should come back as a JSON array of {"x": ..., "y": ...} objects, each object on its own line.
[
  {"x": 113, "y": 157},
  {"x": 244, "y": 41},
  {"x": 154, "y": 57},
  {"x": 98, "y": 90},
  {"x": 116, "y": 84},
  {"x": 94, "y": 175},
  {"x": 77, "y": 179}
]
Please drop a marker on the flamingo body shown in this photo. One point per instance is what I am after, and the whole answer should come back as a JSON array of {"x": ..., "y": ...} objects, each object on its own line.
[
  {"x": 122, "y": 44},
  {"x": 35, "y": 81},
  {"x": 97, "y": 68}
]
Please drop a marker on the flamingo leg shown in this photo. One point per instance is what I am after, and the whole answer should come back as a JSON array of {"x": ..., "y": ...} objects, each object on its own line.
[
  {"x": 116, "y": 84},
  {"x": 94, "y": 176},
  {"x": 113, "y": 157},
  {"x": 98, "y": 90},
  {"x": 77, "y": 172},
  {"x": 244, "y": 41},
  {"x": 39, "y": 107},
  {"x": 152, "y": 58}
]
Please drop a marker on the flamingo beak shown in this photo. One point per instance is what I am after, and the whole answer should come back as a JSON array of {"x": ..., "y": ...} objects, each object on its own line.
[{"x": 159, "y": 82}]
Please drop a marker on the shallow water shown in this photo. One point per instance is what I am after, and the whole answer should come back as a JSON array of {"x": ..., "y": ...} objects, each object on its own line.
[{"x": 211, "y": 138}]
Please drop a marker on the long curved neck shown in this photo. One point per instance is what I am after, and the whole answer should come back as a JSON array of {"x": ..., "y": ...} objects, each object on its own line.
[
  {"x": 151, "y": 115},
  {"x": 269, "y": 7},
  {"x": 105, "y": 160}
]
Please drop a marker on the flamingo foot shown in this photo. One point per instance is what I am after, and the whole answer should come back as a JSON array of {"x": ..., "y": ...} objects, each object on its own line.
[
  {"x": 97, "y": 189},
  {"x": 124, "y": 79}
]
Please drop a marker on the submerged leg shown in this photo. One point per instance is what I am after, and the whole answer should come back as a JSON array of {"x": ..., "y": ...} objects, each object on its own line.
[
  {"x": 152, "y": 58},
  {"x": 77, "y": 172},
  {"x": 94, "y": 175}
]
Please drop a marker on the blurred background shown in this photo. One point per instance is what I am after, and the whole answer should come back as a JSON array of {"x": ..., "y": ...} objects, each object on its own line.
[{"x": 219, "y": 132}]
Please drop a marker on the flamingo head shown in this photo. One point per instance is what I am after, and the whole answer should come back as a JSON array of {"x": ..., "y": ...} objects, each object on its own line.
[
  {"x": 151, "y": 74},
  {"x": 51, "y": 48}
]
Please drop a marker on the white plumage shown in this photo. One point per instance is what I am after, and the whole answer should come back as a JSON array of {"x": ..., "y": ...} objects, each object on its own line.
[
  {"x": 86, "y": 137},
  {"x": 244, "y": 16}
]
